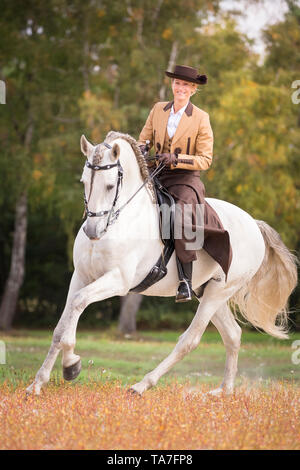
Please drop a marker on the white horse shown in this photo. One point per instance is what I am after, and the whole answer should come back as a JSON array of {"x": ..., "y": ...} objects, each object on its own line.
[{"x": 111, "y": 258}]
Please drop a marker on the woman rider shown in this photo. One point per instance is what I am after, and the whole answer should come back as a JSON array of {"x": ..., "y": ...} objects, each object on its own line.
[{"x": 183, "y": 141}]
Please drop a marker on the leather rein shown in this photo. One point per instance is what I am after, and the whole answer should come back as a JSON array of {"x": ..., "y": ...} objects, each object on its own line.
[{"x": 111, "y": 214}]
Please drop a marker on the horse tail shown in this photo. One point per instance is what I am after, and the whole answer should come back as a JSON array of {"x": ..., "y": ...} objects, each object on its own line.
[{"x": 263, "y": 301}]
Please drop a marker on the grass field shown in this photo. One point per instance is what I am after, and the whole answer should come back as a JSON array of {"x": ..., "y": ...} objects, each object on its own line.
[{"x": 96, "y": 411}]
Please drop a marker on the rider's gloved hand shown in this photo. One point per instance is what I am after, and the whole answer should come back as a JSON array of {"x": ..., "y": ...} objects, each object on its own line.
[
  {"x": 143, "y": 149},
  {"x": 167, "y": 159}
]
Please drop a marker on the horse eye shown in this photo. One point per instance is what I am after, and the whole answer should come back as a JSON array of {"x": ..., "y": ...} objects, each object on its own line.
[{"x": 109, "y": 187}]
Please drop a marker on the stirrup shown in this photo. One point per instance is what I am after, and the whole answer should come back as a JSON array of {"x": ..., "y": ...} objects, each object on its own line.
[{"x": 184, "y": 291}]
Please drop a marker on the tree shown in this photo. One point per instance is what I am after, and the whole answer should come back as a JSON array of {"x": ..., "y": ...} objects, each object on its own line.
[
  {"x": 31, "y": 58},
  {"x": 130, "y": 305},
  {"x": 73, "y": 68}
]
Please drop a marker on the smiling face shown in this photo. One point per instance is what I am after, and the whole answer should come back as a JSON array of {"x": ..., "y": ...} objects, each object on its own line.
[{"x": 183, "y": 90}]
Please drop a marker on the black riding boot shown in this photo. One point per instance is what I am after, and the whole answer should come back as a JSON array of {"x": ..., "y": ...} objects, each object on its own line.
[{"x": 184, "y": 291}]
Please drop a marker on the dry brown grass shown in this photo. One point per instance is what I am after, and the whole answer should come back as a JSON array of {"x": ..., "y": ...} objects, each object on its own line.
[{"x": 106, "y": 416}]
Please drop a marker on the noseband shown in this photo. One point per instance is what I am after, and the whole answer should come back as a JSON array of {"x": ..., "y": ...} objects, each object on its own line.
[{"x": 111, "y": 213}]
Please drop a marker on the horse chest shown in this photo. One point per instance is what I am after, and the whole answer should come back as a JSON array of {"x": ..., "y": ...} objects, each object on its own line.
[
  {"x": 95, "y": 264},
  {"x": 91, "y": 261}
]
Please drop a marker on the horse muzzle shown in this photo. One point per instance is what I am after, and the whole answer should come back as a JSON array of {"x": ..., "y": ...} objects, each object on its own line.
[{"x": 91, "y": 231}]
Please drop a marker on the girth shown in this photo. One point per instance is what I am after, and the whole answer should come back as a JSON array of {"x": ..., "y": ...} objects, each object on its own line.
[{"x": 167, "y": 217}]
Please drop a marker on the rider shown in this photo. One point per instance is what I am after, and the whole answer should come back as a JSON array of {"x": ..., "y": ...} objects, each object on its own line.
[{"x": 183, "y": 140}]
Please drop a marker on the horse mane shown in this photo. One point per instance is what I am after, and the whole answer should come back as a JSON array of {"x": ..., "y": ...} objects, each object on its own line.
[{"x": 144, "y": 170}]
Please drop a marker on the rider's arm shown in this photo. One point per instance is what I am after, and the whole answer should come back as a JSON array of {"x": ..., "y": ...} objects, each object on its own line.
[
  {"x": 203, "y": 149},
  {"x": 147, "y": 131}
]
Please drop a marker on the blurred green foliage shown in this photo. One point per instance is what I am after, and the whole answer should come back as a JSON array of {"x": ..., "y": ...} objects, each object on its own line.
[{"x": 73, "y": 68}]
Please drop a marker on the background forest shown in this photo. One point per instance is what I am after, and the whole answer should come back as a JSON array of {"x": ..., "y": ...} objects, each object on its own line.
[{"x": 72, "y": 68}]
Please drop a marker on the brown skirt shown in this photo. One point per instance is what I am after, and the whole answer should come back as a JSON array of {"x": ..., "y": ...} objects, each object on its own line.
[{"x": 187, "y": 188}]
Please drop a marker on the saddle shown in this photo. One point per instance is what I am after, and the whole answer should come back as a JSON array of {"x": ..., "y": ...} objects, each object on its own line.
[{"x": 167, "y": 217}]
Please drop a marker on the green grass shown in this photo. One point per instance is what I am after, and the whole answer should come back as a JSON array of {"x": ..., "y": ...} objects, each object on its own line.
[{"x": 109, "y": 356}]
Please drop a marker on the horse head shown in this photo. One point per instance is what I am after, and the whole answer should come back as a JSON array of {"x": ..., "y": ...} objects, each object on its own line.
[{"x": 101, "y": 179}]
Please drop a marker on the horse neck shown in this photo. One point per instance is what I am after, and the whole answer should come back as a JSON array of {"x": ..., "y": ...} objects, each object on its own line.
[
  {"x": 132, "y": 179},
  {"x": 141, "y": 215}
]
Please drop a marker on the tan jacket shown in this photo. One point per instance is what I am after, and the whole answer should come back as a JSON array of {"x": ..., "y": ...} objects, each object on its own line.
[{"x": 192, "y": 141}]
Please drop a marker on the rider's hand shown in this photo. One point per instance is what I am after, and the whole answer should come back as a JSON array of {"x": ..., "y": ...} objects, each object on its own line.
[
  {"x": 143, "y": 149},
  {"x": 167, "y": 159}
]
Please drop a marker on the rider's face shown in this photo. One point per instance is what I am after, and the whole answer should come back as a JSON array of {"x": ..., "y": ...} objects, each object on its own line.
[{"x": 182, "y": 90}]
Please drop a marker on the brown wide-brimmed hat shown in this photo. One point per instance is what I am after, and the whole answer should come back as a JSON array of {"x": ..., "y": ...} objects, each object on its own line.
[{"x": 189, "y": 74}]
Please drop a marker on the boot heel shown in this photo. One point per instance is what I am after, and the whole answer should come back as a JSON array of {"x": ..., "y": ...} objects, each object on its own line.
[{"x": 184, "y": 292}]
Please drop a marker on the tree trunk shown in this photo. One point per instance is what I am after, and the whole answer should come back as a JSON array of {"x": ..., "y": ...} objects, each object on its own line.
[
  {"x": 17, "y": 267},
  {"x": 129, "y": 308},
  {"x": 172, "y": 60}
]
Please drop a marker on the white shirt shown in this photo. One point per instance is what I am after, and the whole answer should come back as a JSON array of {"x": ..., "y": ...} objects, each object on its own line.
[{"x": 174, "y": 119}]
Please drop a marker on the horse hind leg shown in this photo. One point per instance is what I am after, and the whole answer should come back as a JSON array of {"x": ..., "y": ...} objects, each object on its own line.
[
  {"x": 215, "y": 295},
  {"x": 230, "y": 332}
]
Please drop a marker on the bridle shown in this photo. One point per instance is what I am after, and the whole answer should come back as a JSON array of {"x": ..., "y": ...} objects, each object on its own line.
[{"x": 111, "y": 214}]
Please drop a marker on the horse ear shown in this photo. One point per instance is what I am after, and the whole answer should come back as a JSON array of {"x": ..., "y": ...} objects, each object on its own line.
[
  {"x": 115, "y": 151},
  {"x": 86, "y": 147}
]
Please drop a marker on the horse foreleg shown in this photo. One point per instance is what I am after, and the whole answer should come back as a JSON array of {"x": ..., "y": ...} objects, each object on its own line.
[
  {"x": 43, "y": 374},
  {"x": 110, "y": 284},
  {"x": 189, "y": 340},
  {"x": 230, "y": 332}
]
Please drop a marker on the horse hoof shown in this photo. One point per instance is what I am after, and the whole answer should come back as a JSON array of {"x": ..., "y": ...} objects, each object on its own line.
[
  {"x": 133, "y": 392},
  {"x": 71, "y": 372}
]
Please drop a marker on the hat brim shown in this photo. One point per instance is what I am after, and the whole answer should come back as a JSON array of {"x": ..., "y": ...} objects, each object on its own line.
[{"x": 201, "y": 81}]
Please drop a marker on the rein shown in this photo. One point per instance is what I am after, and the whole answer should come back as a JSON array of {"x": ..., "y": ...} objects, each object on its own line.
[{"x": 111, "y": 213}]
